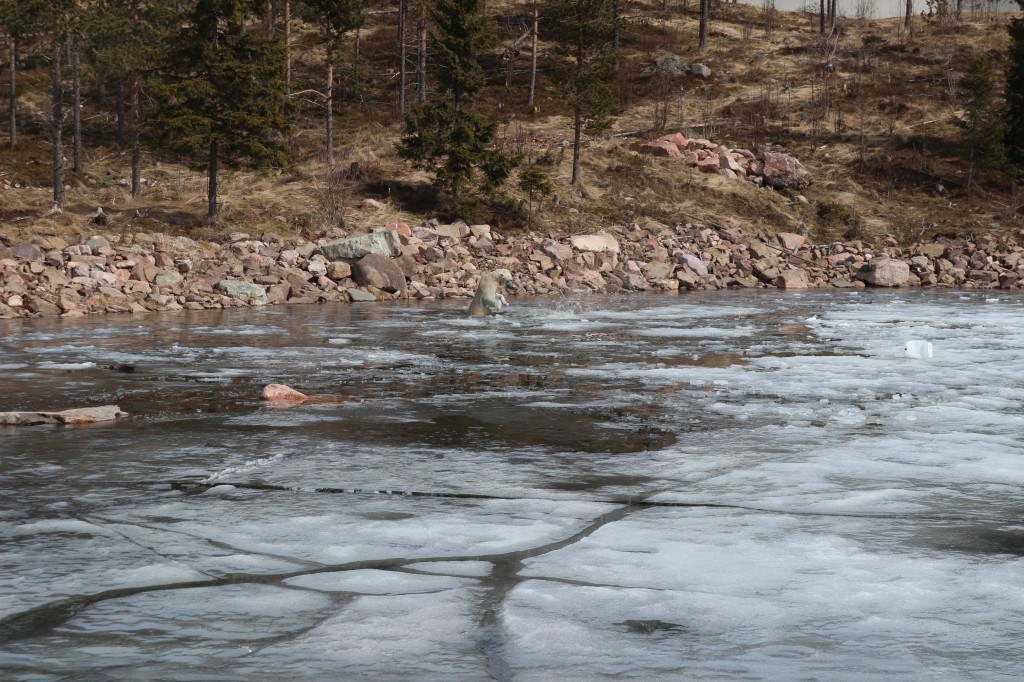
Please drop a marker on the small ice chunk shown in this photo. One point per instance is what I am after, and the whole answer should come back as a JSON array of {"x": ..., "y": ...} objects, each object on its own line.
[{"x": 919, "y": 350}]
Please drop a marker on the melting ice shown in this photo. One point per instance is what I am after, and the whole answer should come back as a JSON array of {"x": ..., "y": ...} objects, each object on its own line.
[{"x": 708, "y": 486}]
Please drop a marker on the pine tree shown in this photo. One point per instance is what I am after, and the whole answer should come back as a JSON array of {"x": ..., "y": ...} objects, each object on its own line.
[
  {"x": 980, "y": 121},
  {"x": 1014, "y": 137},
  {"x": 220, "y": 94},
  {"x": 583, "y": 32},
  {"x": 336, "y": 18},
  {"x": 60, "y": 14},
  {"x": 19, "y": 19},
  {"x": 444, "y": 137},
  {"x": 122, "y": 41}
]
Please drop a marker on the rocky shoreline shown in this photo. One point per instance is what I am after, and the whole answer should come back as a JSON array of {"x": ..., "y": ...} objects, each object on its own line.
[{"x": 140, "y": 273}]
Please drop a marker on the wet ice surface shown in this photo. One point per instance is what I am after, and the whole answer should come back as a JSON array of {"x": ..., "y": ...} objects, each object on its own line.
[{"x": 714, "y": 486}]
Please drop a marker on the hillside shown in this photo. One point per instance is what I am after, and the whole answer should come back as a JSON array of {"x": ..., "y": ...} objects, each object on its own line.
[{"x": 869, "y": 112}]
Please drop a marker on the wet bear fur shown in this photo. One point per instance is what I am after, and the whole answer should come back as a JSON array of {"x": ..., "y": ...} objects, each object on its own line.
[{"x": 487, "y": 300}]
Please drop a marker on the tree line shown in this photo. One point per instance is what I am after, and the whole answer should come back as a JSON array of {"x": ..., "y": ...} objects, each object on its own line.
[{"x": 211, "y": 80}]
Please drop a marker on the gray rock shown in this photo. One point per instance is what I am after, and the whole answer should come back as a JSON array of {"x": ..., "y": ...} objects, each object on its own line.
[
  {"x": 253, "y": 294},
  {"x": 361, "y": 295},
  {"x": 351, "y": 248},
  {"x": 668, "y": 64},
  {"x": 701, "y": 70},
  {"x": 98, "y": 242},
  {"x": 167, "y": 278},
  {"x": 27, "y": 252},
  {"x": 694, "y": 263}
]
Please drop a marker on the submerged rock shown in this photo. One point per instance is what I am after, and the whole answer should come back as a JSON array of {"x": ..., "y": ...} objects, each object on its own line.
[{"x": 281, "y": 392}]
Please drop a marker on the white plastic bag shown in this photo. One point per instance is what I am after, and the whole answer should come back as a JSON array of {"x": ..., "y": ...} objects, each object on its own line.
[{"x": 919, "y": 350}]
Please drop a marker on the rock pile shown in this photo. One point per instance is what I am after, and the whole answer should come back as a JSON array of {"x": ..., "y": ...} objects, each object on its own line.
[
  {"x": 773, "y": 169},
  {"x": 154, "y": 272}
]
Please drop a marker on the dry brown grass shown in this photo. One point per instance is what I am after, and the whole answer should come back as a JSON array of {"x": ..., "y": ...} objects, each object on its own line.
[{"x": 879, "y": 153}]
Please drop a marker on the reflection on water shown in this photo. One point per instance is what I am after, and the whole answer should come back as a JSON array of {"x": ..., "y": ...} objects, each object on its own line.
[{"x": 706, "y": 486}]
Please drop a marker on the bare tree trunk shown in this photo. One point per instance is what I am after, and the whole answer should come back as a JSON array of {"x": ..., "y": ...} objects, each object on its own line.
[
  {"x": 421, "y": 56},
  {"x": 136, "y": 148},
  {"x": 270, "y": 18},
  {"x": 288, "y": 46},
  {"x": 76, "y": 105},
  {"x": 403, "y": 13},
  {"x": 211, "y": 188},
  {"x": 615, "y": 31},
  {"x": 821, "y": 17},
  {"x": 12, "y": 95},
  {"x": 330, "y": 115},
  {"x": 705, "y": 8},
  {"x": 120, "y": 112},
  {"x": 959, "y": 10},
  {"x": 832, "y": 13},
  {"x": 908, "y": 20},
  {"x": 577, "y": 141},
  {"x": 533, "y": 55},
  {"x": 57, "y": 125}
]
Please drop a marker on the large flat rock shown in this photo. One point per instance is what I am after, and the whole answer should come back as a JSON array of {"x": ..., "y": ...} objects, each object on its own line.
[
  {"x": 84, "y": 415},
  {"x": 387, "y": 243}
]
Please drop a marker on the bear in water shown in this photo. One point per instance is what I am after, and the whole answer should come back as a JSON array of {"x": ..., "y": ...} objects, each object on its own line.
[{"x": 487, "y": 300}]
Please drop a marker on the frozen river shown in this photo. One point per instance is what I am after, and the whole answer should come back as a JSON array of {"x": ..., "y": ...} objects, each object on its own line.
[{"x": 715, "y": 486}]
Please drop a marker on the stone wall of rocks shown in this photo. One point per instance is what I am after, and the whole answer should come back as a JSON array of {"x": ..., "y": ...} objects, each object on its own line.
[{"x": 152, "y": 272}]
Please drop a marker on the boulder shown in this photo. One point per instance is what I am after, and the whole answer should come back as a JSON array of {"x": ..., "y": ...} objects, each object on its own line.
[
  {"x": 85, "y": 415},
  {"x": 595, "y": 243},
  {"x": 167, "y": 278},
  {"x": 782, "y": 171},
  {"x": 387, "y": 243},
  {"x": 668, "y": 64},
  {"x": 700, "y": 70},
  {"x": 246, "y": 292},
  {"x": 884, "y": 272},
  {"x": 678, "y": 139},
  {"x": 790, "y": 240},
  {"x": 659, "y": 148},
  {"x": 339, "y": 270},
  {"x": 709, "y": 164},
  {"x": 379, "y": 271},
  {"x": 282, "y": 393},
  {"x": 725, "y": 161},
  {"x": 695, "y": 264},
  {"x": 27, "y": 252},
  {"x": 792, "y": 279},
  {"x": 361, "y": 296}
]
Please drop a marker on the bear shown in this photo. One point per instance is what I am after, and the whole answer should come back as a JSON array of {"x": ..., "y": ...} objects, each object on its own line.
[{"x": 487, "y": 300}]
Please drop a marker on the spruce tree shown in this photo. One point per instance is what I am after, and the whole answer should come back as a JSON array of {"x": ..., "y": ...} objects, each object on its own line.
[
  {"x": 583, "y": 32},
  {"x": 444, "y": 137},
  {"x": 220, "y": 93}
]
